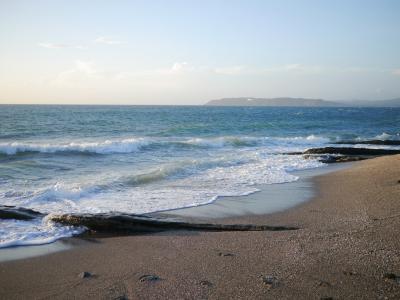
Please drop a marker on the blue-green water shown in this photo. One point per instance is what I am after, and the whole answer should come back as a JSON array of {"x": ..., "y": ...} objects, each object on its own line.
[{"x": 142, "y": 159}]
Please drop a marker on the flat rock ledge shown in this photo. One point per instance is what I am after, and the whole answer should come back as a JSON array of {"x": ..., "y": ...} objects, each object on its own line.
[{"x": 126, "y": 223}]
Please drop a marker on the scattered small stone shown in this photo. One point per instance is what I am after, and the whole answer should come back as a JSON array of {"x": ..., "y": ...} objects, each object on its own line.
[
  {"x": 326, "y": 298},
  {"x": 123, "y": 297},
  {"x": 269, "y": 280},
  {"x": 225, "y": 254},
  {"x": 149, "y": 278},
  {"x": 206, "y": 283},
  {"x": 391, "y": 276},
  {"x": 350, "y": 273},
  {"x": 323, "y": 283},
  {"x": 85, "y": 275}
]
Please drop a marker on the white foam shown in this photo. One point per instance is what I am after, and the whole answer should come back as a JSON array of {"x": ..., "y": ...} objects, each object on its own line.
[
  {"x": 34, "y": 232},
  {"x": 197, "y": 187},
  {"x": 384, "y": 136}
]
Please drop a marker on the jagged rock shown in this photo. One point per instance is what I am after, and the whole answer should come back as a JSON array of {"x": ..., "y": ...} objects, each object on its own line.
[
  {"x": 149, "y": 278},
  {"x": 115, "y": 222},
  {"x": 17, "y": 213},
  {"x": 85, "y": 275}
]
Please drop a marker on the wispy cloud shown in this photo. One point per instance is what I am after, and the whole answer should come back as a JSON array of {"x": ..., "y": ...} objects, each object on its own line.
[
  {"x": 396, "y": 72},
  {"x": 107, "y": 41},
  {"x": 60, "y": 46},
  {"x": 80, "y": 72}
]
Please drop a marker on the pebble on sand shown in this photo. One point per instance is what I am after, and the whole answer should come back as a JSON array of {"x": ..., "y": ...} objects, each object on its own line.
[
  {"x": 149, "y": 278},
  {"x": 85, "y": 274}
]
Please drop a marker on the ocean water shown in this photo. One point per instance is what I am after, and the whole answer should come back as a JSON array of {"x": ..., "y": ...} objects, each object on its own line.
[{"x": 141, "y": 159}]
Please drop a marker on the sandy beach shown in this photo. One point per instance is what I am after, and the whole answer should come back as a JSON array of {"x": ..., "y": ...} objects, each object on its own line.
[{"x": 347, "y": 247}]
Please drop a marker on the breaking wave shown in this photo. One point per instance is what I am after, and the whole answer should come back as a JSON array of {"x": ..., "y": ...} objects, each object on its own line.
[{"x": 131, "y": 145}]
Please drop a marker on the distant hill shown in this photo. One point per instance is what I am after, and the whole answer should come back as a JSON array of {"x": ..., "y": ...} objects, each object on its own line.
[
  {"x": 302, "y": 102},
  {"x": 373, "y": 103}
]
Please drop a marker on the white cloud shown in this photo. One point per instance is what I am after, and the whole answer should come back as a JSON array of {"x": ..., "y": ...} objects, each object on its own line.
[
  {"x": 107, "y": 41},
  {"x": 60, "y": 46}
]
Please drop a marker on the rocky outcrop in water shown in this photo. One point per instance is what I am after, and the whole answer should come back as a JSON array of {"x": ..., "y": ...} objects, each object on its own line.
[
  {"x": 352, "y": 151},
  {"x": 17, "y": 213},
  {"x": 371, "y": 142},
  {"x": 345, "y": 154}
]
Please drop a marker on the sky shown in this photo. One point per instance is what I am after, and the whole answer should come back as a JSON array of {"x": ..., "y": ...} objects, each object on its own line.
[{"x": 189, "y": 52}]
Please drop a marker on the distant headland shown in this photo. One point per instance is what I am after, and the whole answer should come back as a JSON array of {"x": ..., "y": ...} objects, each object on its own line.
[{"x": 301, "y": 102}]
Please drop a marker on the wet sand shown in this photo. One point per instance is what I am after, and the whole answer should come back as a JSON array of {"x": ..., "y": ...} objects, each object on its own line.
[{"x": 348, "y": 247}]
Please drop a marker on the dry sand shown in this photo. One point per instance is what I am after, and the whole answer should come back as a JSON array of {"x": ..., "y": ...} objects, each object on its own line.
[{"x": 349, "y": 239}]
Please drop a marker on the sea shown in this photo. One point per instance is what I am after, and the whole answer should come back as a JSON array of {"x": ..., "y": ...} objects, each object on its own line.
[{"x": 140, "y": 159}]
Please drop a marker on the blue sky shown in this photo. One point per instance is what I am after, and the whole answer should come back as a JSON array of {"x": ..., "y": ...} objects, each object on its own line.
[{"x": 187, "y": 52}]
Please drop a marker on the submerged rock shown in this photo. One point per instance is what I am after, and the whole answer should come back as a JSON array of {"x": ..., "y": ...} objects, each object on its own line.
[
  {"x": 18, "y": 213},
  {"x": 329, "y": 159}
]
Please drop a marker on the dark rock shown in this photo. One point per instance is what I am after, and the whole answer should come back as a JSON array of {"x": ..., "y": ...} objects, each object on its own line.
[
  {"x": 123, "y": 297},
  {"x": 206, "y": 283},
  {"x": 85, "y": 275},
  {"x": 118, "y": 222},
  {"x": 269, "y": 280},
  {"x": 352, "y": 151},
  {"x": 225, "y": 254},
  {"x": 149, "y": 278},
  {"x": 326, "y": 298},
  {"x": 372, "y": 142},
  {"x": 17, "y": 213}
]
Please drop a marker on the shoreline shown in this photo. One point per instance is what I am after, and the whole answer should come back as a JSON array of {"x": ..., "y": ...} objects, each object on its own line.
[
  {"x": 279, "y": 197},
  {"x": 346, "y": 247}
]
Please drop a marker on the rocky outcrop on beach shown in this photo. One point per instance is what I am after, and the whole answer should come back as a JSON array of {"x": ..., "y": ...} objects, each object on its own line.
[
  {"x": 126, "y": 223},
  {"x": 130, "y": 223}
]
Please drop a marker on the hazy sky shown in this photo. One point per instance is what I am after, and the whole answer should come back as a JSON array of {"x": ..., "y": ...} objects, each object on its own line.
[{"x": 187, "y": 52}]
